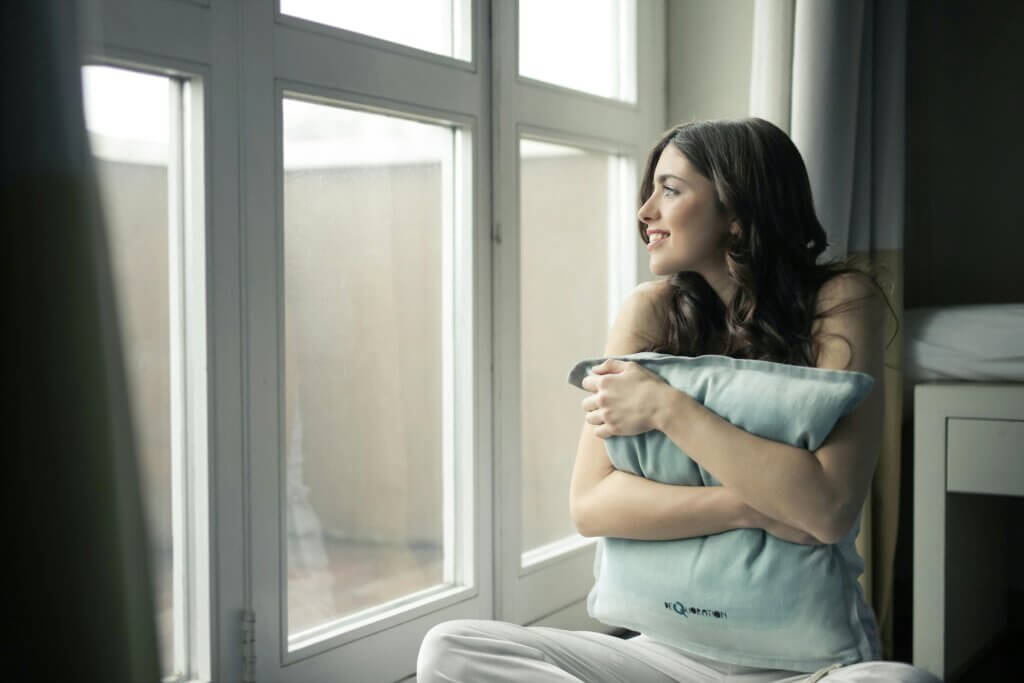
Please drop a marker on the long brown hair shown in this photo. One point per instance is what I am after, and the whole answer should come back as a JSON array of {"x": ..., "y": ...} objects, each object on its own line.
[{"x": 759, "y": 176}]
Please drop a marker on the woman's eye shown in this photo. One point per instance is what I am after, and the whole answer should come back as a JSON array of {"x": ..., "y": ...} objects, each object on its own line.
[{"x": 670, "y": 190}]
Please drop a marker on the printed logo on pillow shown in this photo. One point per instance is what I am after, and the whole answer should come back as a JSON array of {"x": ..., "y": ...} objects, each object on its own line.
[{"x": 684, "y": 611}]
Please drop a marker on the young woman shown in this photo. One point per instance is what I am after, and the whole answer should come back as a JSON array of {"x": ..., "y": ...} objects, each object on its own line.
[{"x": 726, "y": 212}]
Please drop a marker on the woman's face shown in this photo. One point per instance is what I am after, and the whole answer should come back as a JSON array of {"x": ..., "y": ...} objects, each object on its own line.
[{"x": 682, "y": 207}]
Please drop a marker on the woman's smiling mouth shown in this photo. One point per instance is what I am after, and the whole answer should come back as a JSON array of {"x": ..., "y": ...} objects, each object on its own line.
[{"x": 656, "y": 238}]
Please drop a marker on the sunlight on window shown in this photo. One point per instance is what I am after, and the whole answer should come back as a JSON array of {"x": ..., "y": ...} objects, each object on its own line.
[
  {"x": 439, "y": 26},
  {"x": 123, "y": 127},
  {"x": 586, "y": 45}
]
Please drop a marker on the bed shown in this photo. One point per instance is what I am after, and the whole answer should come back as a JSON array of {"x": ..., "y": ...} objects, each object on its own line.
[
  {"x": 974, "y": 344},
  {"x": 964, "y": 391}
]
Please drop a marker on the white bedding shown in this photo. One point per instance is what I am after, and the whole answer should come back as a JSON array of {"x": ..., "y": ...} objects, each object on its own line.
[{"x": 979, "y": 343}]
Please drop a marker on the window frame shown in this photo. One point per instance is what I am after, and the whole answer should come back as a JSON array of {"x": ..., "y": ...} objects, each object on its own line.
[
  {"x": 459, "y": 562},
  {"x": 188, "y": 354},
  {"x": 631, "y": 101},
  {"x": 199, "y": 42},
  {"x": 240, "y": 56},
  {"x": 367, "y": 40},
  {"x": 382, "y": 78}
]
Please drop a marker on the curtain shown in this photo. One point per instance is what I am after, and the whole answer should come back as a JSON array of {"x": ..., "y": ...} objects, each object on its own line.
[
  {"x": 832, "y": 74},
  {"x": 78, "y": 577}
]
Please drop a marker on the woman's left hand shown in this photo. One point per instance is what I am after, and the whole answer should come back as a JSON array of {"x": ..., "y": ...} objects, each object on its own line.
[{"x": 626, "y": 397}]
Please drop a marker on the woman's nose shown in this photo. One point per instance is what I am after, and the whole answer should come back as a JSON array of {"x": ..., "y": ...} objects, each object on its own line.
[{"x": 647, "y": 212}]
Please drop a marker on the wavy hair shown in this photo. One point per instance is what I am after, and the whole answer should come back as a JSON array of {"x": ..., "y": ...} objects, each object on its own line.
[{"x": 759, "y": 176}]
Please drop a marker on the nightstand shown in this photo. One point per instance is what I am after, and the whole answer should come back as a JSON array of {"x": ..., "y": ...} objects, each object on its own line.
[{"x": 968, "y": 458}]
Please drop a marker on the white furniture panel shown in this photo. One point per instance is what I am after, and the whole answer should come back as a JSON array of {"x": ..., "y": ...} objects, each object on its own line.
[
  {"x": 984, "y": 456},
  {"x": 967, "y": 440}
]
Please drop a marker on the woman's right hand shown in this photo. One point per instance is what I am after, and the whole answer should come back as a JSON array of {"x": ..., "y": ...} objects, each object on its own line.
[{"x": 758, "y": 520}]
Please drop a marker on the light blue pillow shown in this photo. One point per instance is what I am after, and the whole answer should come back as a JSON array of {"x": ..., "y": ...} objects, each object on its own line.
[{"x": 742, "y": 596}]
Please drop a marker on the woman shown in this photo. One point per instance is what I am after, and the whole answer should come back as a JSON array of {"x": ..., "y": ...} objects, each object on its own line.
[{"x": 726, "y": 211}]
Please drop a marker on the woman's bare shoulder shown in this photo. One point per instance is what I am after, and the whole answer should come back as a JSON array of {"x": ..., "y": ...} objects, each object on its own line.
[
  {"x": 850, "y": 324},
  {"x": 847, "y": 289},
  {"x": 642, "y": 320},
  {"x": 655, "y": 287},
  {"x": 657, "y": 293}
]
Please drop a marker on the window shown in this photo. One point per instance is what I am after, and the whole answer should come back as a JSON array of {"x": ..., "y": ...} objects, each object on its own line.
[
  {"x": 359, "y": 246},
  {"x": 138, "y": 132},
  {"x": 586, "y": 45},
  {"x": 566, "y": 218},
  {"x": 439, "y": 26},
  {"x": 369, "y": 227}
]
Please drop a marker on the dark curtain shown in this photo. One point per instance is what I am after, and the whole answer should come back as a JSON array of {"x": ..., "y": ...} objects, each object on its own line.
[{"x": 79, "y": 605}]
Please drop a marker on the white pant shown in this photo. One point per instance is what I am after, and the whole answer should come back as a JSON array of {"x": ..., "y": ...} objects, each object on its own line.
[{"x": 487, "y": 651}]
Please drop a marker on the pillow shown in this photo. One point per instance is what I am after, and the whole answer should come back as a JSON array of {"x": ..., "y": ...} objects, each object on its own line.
[{"x": 742, "y": 596}]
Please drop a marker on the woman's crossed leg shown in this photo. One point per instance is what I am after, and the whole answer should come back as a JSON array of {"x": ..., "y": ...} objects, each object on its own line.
[{"x": 488, "y": 651}]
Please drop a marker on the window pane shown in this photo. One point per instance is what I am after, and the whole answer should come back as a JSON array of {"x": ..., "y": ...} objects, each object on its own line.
[
  {"x": 127, "y": 116},
  {"x": 564, "y": 228},
  {"x": 366, "y": 198},
  {"x": 440, "y": 26},
  {"x": 587, "y": 45}
]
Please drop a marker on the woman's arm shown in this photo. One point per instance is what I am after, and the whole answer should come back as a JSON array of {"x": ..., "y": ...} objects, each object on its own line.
[
  {"x": 608, "y": 502},
  {"x": 623, "y": 505},
  {"x": 820, "y": 492}
]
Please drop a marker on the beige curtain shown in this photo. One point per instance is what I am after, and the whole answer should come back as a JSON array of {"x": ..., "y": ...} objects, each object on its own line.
[
  {"x": 832, "y": 74},
  {"x": 79, "y": 598}
]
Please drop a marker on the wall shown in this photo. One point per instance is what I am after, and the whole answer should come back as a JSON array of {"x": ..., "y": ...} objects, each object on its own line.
[
  {"x": 965, "y": 153},
  {"x": 709, "y": 50},
  {"x": 965, "y": 166}
]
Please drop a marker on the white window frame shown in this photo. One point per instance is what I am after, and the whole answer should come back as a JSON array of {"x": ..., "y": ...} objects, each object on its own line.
[
  {"x": 189, "y": 448},
  {"x": 457, "y": 390},
  {"x": 238, "y": 57},
  {"x": 401, "y": 81},
  {"x": 181, "y": 39}
]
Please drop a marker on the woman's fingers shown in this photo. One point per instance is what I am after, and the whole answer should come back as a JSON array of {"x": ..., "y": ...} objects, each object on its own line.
[{"x": 611, "y": 365}]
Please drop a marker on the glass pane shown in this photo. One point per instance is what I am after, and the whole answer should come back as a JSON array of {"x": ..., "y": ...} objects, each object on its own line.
[
  {"x": 127, "y": 116},
  {"x": 564, "y": 228},
  {"x": 365, "y": 200},
  {"x": 440, "y": 26},
  {"x": 587, "y": 45}
]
